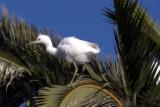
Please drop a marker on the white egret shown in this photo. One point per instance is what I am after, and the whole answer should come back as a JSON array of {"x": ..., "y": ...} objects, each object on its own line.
[{"x": 71, "y": 49}]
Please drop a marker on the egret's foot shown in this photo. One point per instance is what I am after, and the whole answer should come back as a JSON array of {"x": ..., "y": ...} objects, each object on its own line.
[
  {"x": 75, "y": 73},
  {"x": 71, "y": 85},
  {"x": 107, "y": 85}
]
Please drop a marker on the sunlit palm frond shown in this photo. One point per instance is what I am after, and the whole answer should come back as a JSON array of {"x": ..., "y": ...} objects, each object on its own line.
[
  {"x": 10, "y": 67},
  {"x": 9, "y": 72},
  {"x": 85, "y": 93}
]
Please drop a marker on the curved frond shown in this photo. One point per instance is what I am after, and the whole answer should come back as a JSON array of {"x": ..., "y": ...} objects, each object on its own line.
[
  {"x": 137, "y": 38},
  {"x": 10, "y": 67},
  {"x": 86, "y": 93}
]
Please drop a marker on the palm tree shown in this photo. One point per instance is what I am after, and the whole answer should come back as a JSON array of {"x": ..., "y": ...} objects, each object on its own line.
[
  {"x": 27, "y": 69},
  {"x": 31, "y": 75}
]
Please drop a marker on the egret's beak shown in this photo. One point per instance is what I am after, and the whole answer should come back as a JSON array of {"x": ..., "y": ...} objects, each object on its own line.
[{"x": 33, "y": 42}]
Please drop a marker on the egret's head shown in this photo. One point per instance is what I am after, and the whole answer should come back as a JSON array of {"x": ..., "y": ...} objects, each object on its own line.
[{"x": 42, "y": 38}]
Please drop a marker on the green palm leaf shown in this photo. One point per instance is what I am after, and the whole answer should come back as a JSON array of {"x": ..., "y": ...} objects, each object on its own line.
[
  {"x": 14, "y": 36},
  {"x": 28, "y": 67},
  {"x": 137, "y": 39}
]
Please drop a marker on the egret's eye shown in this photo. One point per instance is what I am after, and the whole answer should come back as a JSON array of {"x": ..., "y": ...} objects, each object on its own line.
[{"x": 38, "y": 39}]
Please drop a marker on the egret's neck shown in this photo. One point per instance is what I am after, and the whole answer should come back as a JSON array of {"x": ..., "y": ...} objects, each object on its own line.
[{"x": 50, "y": 49}]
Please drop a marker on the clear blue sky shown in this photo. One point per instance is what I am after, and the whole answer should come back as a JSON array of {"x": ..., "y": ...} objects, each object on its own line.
[{"x": 81, "y": 18}]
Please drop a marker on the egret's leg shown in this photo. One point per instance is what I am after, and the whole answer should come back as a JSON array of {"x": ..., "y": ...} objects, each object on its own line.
[
  {"x": 83, "y": 67},
  {"x": 82, "y": 70},
  {"x": 82, "y": 75},
  {"x": 75, "y": 73}
]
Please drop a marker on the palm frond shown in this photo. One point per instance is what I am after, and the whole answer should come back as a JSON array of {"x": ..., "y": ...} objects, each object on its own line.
[
  {"x": 21, "y": 64},
  {"x": 14, "y": 36},
  {"x": 137, "y": 39},
  {"x": 85, "y": 93}
]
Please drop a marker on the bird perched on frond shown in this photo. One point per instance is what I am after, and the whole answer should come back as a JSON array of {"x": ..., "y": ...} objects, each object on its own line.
[{"x": 71, "y": 49}]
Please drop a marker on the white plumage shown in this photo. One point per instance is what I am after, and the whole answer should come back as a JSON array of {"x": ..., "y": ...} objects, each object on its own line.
[
  {"x": 75, "y": 50},
  {"x": 71, "y": 49}
]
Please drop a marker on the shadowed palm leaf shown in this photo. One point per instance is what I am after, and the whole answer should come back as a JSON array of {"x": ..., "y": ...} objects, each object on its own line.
[
  {"x": 28, "y": 67},
  {"x": 137, "y": 39}
]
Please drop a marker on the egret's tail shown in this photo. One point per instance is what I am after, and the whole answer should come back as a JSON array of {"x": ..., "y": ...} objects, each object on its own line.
[{"x": 95, "y": 48}]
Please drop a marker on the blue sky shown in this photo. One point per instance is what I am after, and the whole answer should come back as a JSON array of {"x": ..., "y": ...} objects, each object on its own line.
[{"x": 80, "y": 18}]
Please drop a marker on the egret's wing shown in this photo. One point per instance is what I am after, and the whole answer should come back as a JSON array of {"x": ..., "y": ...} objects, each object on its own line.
[
  {"x": 76, "y": 50},
  {"x": 73, "y": 54},
  {"x": 89, "y": 47},
  {"x": 68, "y": 50},
  {"x": 68, "y": 40},
  {"x": 80, "y": 46},
  {"x": 92, "y": 45}
]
